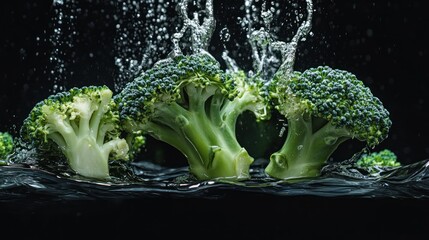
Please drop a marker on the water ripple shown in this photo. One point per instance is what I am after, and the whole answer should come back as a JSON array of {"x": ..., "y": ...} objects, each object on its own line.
[{"x": 18, "y": 182}]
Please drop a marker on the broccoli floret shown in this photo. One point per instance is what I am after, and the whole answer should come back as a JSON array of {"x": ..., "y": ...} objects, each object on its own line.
[
  {"x": 191, "y": 104},
  {"x": 6, "y": 146},
  {"x": 136, "y": 141},
  {"x": 83, "y": 123},
  {"x": 324, "y": 107},
  {"x": 377, "y": 161}
]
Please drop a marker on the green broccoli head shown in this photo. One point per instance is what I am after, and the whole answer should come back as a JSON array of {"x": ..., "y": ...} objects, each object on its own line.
[
  {"x": 377, "y": 161},
  {"x": 6, "y": 145},
  {"x": 83, "y": 123},
  {"x": 324, "y": 107},
  {"x": 191, "y": 104}
]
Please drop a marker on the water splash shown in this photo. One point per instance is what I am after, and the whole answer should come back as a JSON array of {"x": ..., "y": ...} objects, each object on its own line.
[
  {"x": 142, "y": 36},
  {"x": 260, "y": 41},
  {"x": 231, "y": 64},
  {"x": 263, "y": 41},
  {"x": 62, "y": 41},
  {"x": 146, "y": 29},
  {"x": 288, "y": 50},
  {"x": 201, "y": 31}
]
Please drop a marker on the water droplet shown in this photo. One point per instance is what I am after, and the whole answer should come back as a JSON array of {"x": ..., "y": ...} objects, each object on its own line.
[
  {"x": 225, "y": 35},
  {"x": 58, "y": 2},
  {"x": 330, "y": 140},
  {"x": 282, "y": 131}
]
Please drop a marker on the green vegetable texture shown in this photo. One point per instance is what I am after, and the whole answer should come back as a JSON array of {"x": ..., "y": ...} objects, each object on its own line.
[
  {"x": 83, "y": 123},
  {"x": 191, "y": 104},
  {"x": 375, "y": 161},
  {"x": 324, "y": 107},
  {"x": 6, "y": 145}
]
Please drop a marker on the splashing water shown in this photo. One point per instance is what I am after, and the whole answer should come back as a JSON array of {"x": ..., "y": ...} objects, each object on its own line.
[
  {"x": 62, "y": 40},
  {"x": 288, "y": 50},
  {"x": 257, "y": 23},
  {"x": 265, "y": 62},
  {"x": 201, "y": 33},
  {"x": 263, "y": 43},
  {"x": 145, "y": 33},
  {"x": 142, "y": 36}
]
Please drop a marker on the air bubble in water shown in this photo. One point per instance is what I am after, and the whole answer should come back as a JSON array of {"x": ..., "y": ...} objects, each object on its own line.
[
  {"x": 225, "y": 35},
  {"x": 58, "y": 2},
  {"x": 282, "y": 131}
]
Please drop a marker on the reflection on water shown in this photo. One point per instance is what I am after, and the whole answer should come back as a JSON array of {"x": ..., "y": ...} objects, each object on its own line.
[{"x": 19, "y": 182}]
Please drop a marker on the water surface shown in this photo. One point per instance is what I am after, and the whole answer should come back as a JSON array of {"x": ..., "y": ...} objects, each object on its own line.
[{"x": 148, "y": 180}]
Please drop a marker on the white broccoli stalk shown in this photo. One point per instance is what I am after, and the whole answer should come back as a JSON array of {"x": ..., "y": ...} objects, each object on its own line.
[{"x": 84, "y": 125}]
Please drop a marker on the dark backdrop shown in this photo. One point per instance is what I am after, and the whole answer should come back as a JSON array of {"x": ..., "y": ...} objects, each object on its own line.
[{"x": 383, "y": 42}]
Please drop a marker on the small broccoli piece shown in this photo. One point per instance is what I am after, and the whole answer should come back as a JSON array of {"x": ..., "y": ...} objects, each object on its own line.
[
  {"x": 6, "y": 146},
  {"x": 191, "y": 104},
  {"x": 377, "y": 161},
  {"x": 136, "y": 141},
  {"x": 324, "y": 107},
  {"x": 83, "y": 124}
]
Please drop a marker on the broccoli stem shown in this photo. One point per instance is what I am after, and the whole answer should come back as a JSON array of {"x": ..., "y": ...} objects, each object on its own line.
[
  {"x": 87, "y": 158},
  {"x": 305, "y": 150},
  {"x": 82, "y": 144},
  {"x": 201, "y": 134},
  {"x": 221, "y": 154},
  {"x": 90, "y": 159},
  {"x": 96, "y": 119}
]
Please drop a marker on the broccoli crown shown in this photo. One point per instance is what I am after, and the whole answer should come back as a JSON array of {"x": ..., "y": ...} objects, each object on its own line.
[
  {"x": 70, "y": 106},
  {"x": 384, "y": 158},
  {"x": 336, "y": 96},
  {"x": 6, "y": 144},
  {"x": 164, "y": 83}
]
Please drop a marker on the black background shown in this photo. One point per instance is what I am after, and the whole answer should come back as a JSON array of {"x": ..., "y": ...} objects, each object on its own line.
[{"x": 384, "y": 43}]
